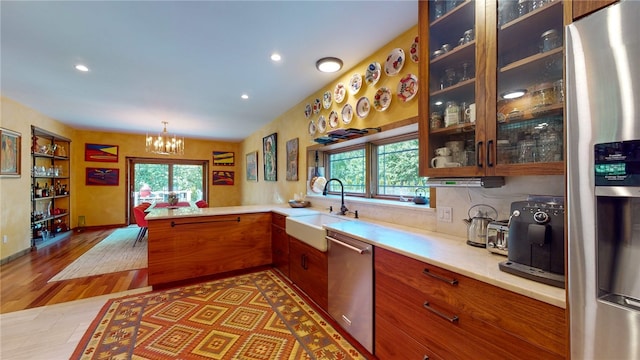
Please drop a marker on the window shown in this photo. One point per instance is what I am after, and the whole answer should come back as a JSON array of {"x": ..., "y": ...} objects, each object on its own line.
[{"x": 386, "y": 169}]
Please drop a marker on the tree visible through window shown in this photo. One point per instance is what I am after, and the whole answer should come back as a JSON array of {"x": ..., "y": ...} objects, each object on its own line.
[
  {"x": 350, "y": 168},
  {"x": 398, "y": 168}
]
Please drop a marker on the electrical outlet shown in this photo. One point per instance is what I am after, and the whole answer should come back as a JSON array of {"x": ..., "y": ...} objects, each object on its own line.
[
  {"x": 5, "y": 238},
  {"x": 445, "y": 214}
]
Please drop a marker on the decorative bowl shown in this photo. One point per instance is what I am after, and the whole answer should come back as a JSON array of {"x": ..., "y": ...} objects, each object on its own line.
[{"x": 299, "y": 204}]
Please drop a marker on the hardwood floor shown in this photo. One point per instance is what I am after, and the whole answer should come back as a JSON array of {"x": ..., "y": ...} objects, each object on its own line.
[{"x": 23, "y": 281}]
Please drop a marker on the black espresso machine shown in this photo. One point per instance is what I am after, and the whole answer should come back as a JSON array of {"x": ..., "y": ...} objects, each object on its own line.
[{"x": 536, "y": 240}]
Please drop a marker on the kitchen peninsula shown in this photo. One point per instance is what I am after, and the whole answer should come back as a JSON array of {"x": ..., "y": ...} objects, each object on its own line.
[{"x": 190, "y": 229}]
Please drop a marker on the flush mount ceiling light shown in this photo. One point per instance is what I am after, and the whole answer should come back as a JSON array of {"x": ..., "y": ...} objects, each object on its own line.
[
  {"x": 244, "y": 96},
  {"x": 164, "y": 144},
  {"x": 329, "y": 64},
  {"x": 82, "y": 68},
  {"x": 513, "y": 94},
  {"x": 276, "y": 57}
]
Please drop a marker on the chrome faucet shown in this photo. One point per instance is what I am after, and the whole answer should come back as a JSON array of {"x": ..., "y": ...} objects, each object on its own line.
[{"x": 343, "y": 209}]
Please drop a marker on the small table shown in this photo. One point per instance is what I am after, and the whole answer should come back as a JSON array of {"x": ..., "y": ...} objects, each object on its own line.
[{"x": 163, "y": 204}]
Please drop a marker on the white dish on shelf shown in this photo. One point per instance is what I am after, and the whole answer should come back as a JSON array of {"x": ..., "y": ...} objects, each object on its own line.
[
  {"x": 407, "y": 87},
  {"x": 347, "y": 113},
  {"x": 312, "y": 128},
  {"x": 317, "y": 105},
  {"x": 363, "y": 106},
  {"x": 395, "y": 62},
  {"x": 339, "y": 93},
  {"x": 382, "y": 99},
  {"x": 308, "y": 111},
  {"x": 326, "y": 99},
  {"x": 333, "y": 119},
  {"x": 372, "y": 75},
  {"x": 413, "y": 51},
  {"x": 322, "y": 124},
  {"x": 355, "y": 83}
]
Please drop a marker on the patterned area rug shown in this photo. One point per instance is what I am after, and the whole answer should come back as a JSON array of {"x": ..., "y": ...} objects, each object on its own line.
[
  {"x": 114, "y": 253},
  {"x": 254, "y": 316}
]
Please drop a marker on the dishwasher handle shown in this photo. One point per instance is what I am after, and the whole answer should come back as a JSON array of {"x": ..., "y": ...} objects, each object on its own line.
[{"x": 348, "y": 246}]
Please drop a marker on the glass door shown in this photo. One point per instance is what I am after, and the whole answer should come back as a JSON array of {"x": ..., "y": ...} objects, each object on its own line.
[
  {"x": 530, "y": 92},
  {"x": 151, "y": 180}
]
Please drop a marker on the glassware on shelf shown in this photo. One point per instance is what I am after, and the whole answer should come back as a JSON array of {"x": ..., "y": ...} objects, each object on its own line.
[
  {"x": 468, "y": 36},
  {"x": 549, "y": 40},
  {"x": 466, "y": 71},
  {"x": 451, "y": 76},
  {"x": 438, "y": 7},
  {"x": 524, "y": 6},
  {"x": 451, "y": 114}
]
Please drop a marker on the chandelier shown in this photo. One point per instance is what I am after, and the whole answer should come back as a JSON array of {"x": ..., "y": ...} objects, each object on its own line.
[{"x": 164, "y": 144}]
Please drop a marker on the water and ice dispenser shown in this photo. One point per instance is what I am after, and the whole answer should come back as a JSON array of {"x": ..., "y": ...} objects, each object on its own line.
[{"x": 617, "y": 190}]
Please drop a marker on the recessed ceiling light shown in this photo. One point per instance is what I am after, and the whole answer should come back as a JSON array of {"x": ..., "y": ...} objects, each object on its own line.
[
  {"x": 329, "y": 64},
  {"x": 276, "y": 57},
  {"x": 82, "y": 68},
  {"x": 244, "y": 96},
  {"x": 514, "y": 94}
]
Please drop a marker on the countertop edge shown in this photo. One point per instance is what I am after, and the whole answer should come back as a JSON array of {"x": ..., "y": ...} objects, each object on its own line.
[{"x": 434, "y": 248}]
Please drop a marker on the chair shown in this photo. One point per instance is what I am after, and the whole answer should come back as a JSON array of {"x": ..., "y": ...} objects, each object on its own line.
[
  {"x": 202, "y": 204},
  {"x": 139, "y": 214}
]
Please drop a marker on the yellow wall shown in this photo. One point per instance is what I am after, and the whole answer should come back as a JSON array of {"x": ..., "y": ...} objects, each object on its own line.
[
  {"x": 101, "y": 205},
  {"x": 15, "y": 198},
  {"x": 106, "y": 205},
  {"x": 293, "y": 123}
]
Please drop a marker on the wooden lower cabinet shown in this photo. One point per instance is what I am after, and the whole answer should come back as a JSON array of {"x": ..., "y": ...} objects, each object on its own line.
[
  {"x": 393, "y": 343},
  {"x": 280, "y": 244},
  {"x": 192, "y": 247},
  {"x": 308, "y": 270},
  {"x": 456, "y": 317}
]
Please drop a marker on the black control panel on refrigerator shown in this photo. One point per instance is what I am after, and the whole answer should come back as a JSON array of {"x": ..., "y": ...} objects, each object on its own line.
[{"x": 617, "y": 163}]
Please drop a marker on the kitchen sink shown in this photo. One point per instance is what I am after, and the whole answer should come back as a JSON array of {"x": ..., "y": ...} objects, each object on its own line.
[{"x": 308, "y": 228}]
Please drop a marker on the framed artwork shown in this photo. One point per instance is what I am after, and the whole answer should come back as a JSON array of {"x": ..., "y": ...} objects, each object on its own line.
[
  {"x": 223, "y": 177},
  {"x": 292, "y": 160},
  {"x": 252, "y": 166},
  {"x": 270, "y": 157},
  {"x": 103, "y": 176},
  {"x": 101, "y": 153},
  {"x": 223, "y": 158},
  {"x": 9, "y": 153}
]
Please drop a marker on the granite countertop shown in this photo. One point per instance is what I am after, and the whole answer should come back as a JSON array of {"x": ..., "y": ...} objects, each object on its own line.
[{"x": 448, "y": 252}]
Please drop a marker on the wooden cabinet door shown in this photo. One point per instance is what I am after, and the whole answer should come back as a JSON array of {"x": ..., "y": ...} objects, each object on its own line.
[
  {"x": 308, "y": 268},
  {"x": 280, "y": 249},
  {"x": 586, "y": 7}
]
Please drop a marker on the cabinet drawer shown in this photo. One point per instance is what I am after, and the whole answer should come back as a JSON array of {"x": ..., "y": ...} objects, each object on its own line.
[
  {"x": 392, "y": 343},
  {"x": 541, "y": 324},
  {"x": 278, "y": 220}
]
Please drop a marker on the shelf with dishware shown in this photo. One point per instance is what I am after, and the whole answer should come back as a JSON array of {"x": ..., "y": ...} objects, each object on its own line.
[{"x": 50, "y": 186}]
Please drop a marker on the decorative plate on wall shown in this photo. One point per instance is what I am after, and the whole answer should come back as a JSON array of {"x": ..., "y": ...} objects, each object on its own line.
[
  {"x": 407, "y": 87},
  {"x": 317, "y": 106},
  {"x": 333, "y": 119},
  {"x": 322, "y": 124},
  {"x": 347, "y": 113},
  {"x": 413, "y": 52},
  {"x": 326, "y": 99},
  {"x": 394, "y": 62},
  {"x": 372, "y": 75},
  {"x": 312, "y": 128},
  {"x": 339, "y": 93},
  {"x": 382, "y": 99},
  {"x": 355, "y": 83},
  {"x": 307, "y": 111},
  {"x": 362, "y": 107}
]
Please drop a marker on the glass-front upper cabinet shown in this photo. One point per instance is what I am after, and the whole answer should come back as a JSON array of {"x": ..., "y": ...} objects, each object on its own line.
[
  {"x": 530, "y": 89},
  {"x": 451, "y": 119}
]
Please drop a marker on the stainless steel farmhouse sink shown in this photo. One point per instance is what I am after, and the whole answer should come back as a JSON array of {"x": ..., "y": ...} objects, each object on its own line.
[{"x": 308, "y": 228}]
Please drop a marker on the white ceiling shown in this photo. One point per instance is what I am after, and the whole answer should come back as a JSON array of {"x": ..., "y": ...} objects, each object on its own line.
[{"x": 185, "y": 62}]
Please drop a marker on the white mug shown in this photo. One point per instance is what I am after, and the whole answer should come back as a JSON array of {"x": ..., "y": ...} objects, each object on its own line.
[
  {"x": 443, "y": 151},
  {"x": 470, "y": 113},
  {"x": 440, "y": 161}
]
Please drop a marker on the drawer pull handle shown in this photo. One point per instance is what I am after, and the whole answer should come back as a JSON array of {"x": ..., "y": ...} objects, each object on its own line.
[
  {"x": 453, "y": 319},
  {"x": 451, "y": 282}
]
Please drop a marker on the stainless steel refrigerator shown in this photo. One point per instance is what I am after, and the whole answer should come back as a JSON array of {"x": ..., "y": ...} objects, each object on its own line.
[{"x": 603, "y": 182}]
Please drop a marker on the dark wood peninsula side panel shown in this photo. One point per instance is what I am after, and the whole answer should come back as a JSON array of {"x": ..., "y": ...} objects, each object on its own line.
[{"x": 192, "y": 247}]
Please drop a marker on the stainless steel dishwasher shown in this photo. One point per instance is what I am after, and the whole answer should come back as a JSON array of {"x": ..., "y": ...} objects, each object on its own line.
[{"x": 351, "y": 286}]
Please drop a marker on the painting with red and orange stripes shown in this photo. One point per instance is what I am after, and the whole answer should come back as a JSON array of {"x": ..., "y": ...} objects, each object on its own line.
[
  {"x": 223, "y": 177},
  {"x": 99, "y": 152}
]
